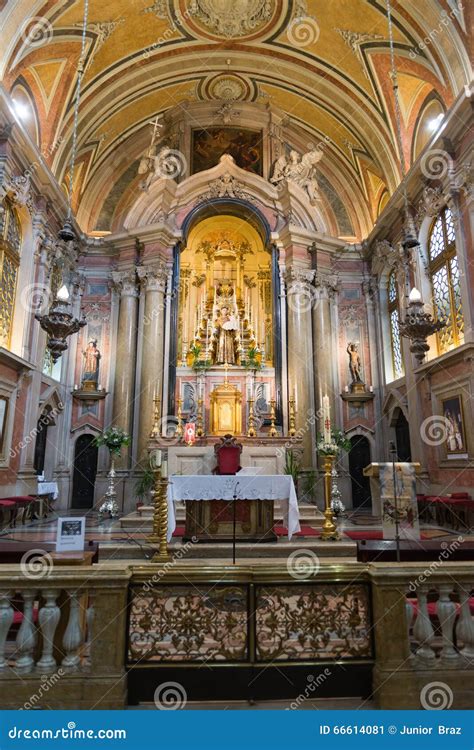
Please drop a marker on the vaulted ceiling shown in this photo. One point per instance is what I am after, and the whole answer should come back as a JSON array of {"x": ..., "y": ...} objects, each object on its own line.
[{"x": 324, "y": 63}]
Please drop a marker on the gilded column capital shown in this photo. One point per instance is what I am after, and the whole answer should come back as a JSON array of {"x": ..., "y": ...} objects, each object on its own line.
[
  {"x": 125, "y": 283},
  {"x": 153, "y": 278}
]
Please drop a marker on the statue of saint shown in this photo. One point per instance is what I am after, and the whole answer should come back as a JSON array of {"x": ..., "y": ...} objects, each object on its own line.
[
  {"x": 225, "y": 336},
  {"x": 300, "y": 170},
  {"x": 355, "y": 365},
  {"x": 91, "y": 362}
]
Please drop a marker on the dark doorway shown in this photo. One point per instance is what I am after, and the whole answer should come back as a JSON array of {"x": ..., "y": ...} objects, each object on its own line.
[
  {"x": 359, "y": 458},
  {"x": 46, "y": 419},
  {"x": 85, "y": 470},
  {"x": 402, "y": 435}
]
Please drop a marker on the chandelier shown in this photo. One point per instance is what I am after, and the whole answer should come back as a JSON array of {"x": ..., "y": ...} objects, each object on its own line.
[
  {"x": 59, "y": 323},
  {"x": 418, "y": 324}
]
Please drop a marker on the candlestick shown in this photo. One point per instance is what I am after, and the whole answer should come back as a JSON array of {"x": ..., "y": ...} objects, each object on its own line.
[
  {"x": 273, "y": 432},
  {"x": 199, "y": 420},
  {"x": 155, "y": 430},
  {"x": 291, "y": 410},
  {"x": 159, "y": 533},
  {"x": 179, "y": 427},
  {"x": 329, "y": 530},
  {"x": 251, "y": 431},
  {"x": 326, "y": 420}
]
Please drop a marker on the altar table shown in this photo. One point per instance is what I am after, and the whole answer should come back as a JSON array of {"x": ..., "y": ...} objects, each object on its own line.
[{"x": 275, "y": 488}]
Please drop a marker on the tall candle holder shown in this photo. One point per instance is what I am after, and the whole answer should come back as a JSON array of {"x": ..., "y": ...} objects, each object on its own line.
[
  {"x": 251, "y": 431},
  {"x": 292, "y": 412},
  {"x": 273, "y": 432},
  {"x": 155, "y": 430},
  {"x": 159, "y": 533},
  {"x": 199, "y": 420},
  {"x": 329, "y": 530},
  {"x": 179, "y": 426}
]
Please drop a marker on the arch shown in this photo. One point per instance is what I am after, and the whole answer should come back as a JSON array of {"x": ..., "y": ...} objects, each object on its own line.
[
  {"x": 84, "y": 471},
  {"x": 228, "y": 206},
  {"x": 423, "y": 132}
]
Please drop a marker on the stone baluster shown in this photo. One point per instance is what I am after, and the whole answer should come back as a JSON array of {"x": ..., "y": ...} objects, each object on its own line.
[
  {"x": 446, "y": 610},
  {"x": 410, "y": 614},
  {"x": 73, "y": 635},
  {"x": 90, "y": 612},
  {"x": 6, "y": 619},
  {"x": 465, "y": 626},
  {"x": 423, "y": 630},
  {"x": 26, "y": 638},
  {"x": 48, "y": 618}
]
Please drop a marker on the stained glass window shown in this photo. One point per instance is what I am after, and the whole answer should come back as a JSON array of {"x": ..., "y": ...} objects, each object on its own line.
[
  {"x": 444, "y": 273},
  {"x": 394, "y": 317},
  {"x": 10, "y": 245}
]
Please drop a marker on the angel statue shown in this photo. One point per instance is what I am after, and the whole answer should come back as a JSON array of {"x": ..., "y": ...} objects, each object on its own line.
[
  {"x": 300, "y": 170},
  {"x": 225, "y": 336}
]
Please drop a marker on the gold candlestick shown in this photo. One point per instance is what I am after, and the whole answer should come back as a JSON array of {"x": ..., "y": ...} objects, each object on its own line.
[
  {"x": 155, "y": 430},
  {"x": 199, "y": 420},
  {"x": 273, "y": 432},
  {"x": 179, "y": 427},
  {"x": 291, "y": 410},
  {"x": 329, "y": 530},
  {"x": 159, "y": 534},
  {"x": 251, "y": 432}
]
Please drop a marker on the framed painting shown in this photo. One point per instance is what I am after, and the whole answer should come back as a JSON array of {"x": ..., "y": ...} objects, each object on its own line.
[
  {"x": 3, "y": 420},
  {"x": 454, "y": 425},
  {"x": 245, "y": 146}
]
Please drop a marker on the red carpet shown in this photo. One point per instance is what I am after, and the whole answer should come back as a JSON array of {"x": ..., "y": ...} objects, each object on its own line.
[{"x": 368, "y": 535}]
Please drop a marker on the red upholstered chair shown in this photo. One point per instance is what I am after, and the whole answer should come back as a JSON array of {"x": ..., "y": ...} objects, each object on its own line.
[{"x": 227, "y": 455}]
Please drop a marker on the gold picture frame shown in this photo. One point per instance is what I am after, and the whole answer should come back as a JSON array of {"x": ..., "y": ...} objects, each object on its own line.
[{"x": 453, "y": 416}]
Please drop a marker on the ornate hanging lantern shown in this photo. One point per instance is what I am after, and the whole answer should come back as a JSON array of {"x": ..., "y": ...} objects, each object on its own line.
[
  {"x": 59, "y": 323},
  {"x": 418, "y": 325}
]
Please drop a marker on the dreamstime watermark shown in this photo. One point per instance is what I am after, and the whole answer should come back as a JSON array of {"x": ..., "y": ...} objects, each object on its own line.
[
  {"x": 43, "y": 421},
  {"x": 36, "y": 564},
  {"x": 172, "y": 28},
  {"x": 436, "y": 163},
  {"x": 36, "y": 31},
  {"x": 434, "y": 430},
  {"x": 170, "y": 696},
  {"x": 170, "y": 164},
  {"x": 303, "y": 31},
  {"x": 303, "y": 564},
  {"x": 177, "y": 556},
  {"x": 313, "y": 684},
  {"x": 47, "y": 682},
  {"x": 436, "y": 696},
  {"x": 448, "y": 550},
  {"x": 445, "y": 20},
  {"x": 311, "y": 419}
]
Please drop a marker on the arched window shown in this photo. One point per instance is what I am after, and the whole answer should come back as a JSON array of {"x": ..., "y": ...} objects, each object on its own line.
[
  {"x": 10, "y": 246},
  {"x": 53, "y": 369},
  {"x": 394, "y": 317},
  {"x": 444, "y": 275}
]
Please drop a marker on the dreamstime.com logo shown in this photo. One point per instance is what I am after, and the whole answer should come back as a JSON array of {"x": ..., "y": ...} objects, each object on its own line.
[
  {"x": 36, "y": 564},
  {"x": 436, "y": 696},
  {"x": 170, "y": 696},
  {"x": 303, "y": 31},
  {"x": 302, "y": 564}
]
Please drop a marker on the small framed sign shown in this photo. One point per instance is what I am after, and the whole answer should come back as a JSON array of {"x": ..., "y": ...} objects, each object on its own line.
[{"x": 70, "y": 534}]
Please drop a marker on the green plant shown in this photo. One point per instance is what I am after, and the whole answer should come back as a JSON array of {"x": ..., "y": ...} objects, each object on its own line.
[
  {"x": 292, "y": 466},
  {"x": 309, "y": 485},
  {"x": 145, "y": 483},
  {"x": 198, "y": 364},
  {"x": 252, "y": 362},
  {"x": 339, "y": 442},
  {"x": 114, "y": 438}
]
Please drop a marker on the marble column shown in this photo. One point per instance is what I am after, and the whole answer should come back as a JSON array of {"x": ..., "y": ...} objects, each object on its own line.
[
  {"x": 125, "y": 353},
  {"x": 300, "y": 300},
  {"x": 153, "y": 278},
  {"x": 324, "y": 343}
]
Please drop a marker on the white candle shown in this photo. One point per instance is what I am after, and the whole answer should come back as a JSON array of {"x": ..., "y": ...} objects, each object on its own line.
[
  {"x": 157, "y": 457},
  {"x": 326, "y": 420},
  {"x": 164, "y": 468},
  {"x": 100, "y": 387}
]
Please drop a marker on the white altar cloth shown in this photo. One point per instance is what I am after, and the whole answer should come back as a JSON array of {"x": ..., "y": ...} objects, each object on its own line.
[
  {"x": 278, "y": 487},
  {"x": 48, "y": 488}
]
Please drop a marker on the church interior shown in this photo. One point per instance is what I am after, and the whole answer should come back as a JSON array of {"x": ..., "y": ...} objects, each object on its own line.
[{"x": 236, "y": 354}]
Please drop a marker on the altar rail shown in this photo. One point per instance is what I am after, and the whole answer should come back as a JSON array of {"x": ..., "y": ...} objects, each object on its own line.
[{"x": 401, "y": 636}]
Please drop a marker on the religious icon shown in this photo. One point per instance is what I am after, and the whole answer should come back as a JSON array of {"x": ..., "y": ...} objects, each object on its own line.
[
  {"x": 190, "y": 433},
  {"x": 225, "y": 336},
  {"x": 355, "y": 365},
  {"x": 452, "y": 412},
  {"x": 91, "y": 362}
]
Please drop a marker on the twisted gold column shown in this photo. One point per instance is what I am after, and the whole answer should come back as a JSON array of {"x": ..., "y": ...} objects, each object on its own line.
[
  {"x": 160, "y": 518},
  {"x": 329, "y": 530}
]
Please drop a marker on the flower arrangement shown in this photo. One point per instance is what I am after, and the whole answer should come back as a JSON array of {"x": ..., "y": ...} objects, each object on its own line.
[
  {"x": 254, "y": 360},
  {"x": 198, "y": 364},
  {"x": 339, "y": 442},
  {"x": 114, "y": 438}
]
